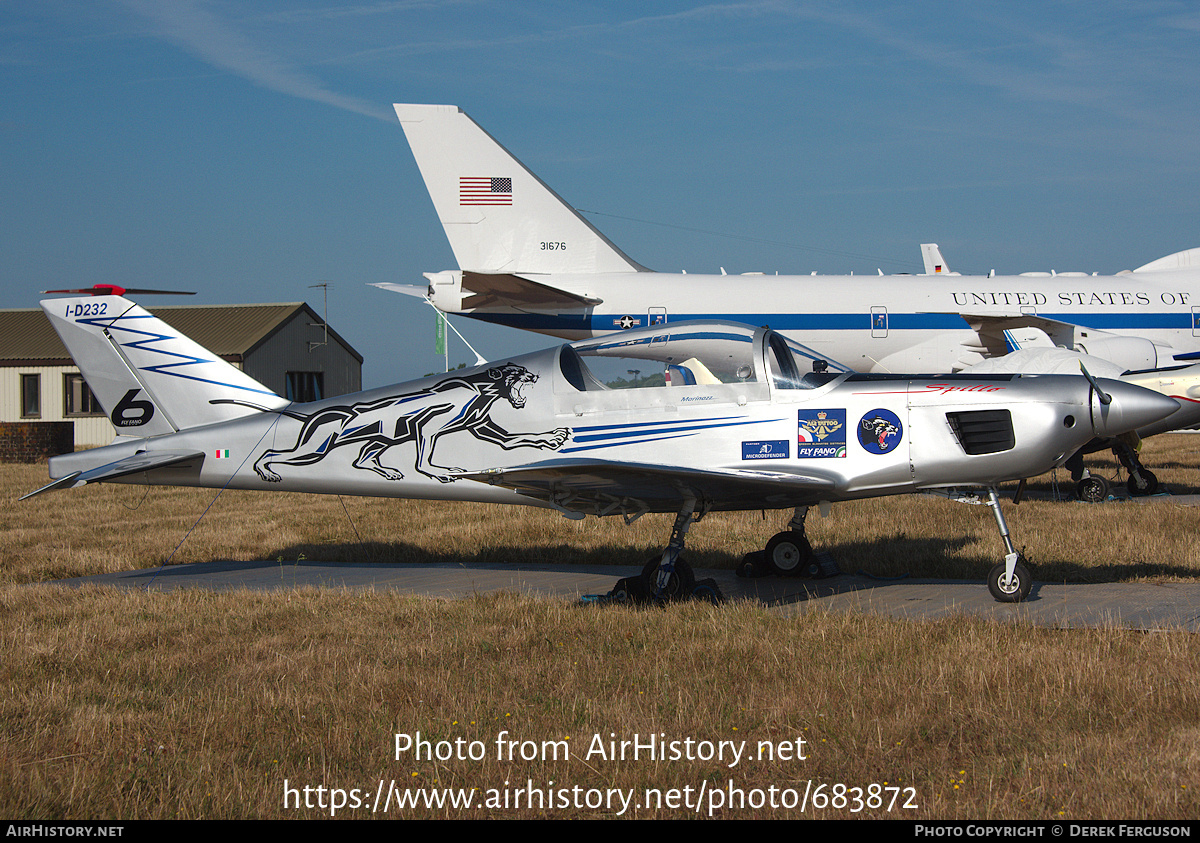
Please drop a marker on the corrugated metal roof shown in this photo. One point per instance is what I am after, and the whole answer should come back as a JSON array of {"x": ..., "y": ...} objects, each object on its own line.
[
  {"x": 27, "y": 335},
  {"x": 229, "y": 331}
]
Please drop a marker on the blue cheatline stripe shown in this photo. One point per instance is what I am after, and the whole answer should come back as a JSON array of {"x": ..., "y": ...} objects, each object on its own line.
[
  {"x": 624, "y": 437},
  {"x": 683, "y": 428},
  {"x": 651, "y": 424},
  {"x": 630, "y": 442},
  {"x": 840, "y": 321},
  {"x": 674, "y": 337}
]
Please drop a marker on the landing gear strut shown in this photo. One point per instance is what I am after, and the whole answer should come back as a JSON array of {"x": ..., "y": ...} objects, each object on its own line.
[
  {"x": 669, "y": 577},
  {"x": 1010, "y": 581},
  {"x": 1141, "y": 482},
  {"x": 1091, "y": 488}
]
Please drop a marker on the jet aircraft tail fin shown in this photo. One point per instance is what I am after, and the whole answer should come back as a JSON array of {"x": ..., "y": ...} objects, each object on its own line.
[
  {"x": 935, "y": 264},
  {"x": 498, "y": 216},
  {"x": 149, "y": 378}
]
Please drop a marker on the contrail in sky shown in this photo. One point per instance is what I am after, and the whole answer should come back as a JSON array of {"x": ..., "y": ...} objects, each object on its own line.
[{"x": 213, "y": 40}]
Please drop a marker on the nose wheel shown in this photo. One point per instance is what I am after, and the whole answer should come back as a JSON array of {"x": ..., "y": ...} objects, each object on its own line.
[
  {"x": 1012, "y": 587},
  {"x": 1141, "y": 483},
  {"x": 1010, "y": 581}
]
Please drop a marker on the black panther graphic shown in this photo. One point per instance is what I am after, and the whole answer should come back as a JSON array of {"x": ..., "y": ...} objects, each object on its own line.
[
  {"x": 422, "y": 417},
  {"x": 876, "y": 430}
]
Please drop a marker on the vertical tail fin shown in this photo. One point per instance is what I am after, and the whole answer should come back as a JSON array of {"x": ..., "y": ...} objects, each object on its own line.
[
  {"x": 149, "y": 378},
  {"x": 935, "y": 264},
  {"x": 498, "y": 216}
]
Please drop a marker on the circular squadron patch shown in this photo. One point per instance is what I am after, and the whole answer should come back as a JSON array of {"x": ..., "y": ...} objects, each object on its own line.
[{"x": 880, "y": 431}]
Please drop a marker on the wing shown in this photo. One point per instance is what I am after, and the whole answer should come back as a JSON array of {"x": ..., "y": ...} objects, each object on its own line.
[
  {"x": 143, "y": 461},
  {"x": 1001, "y": 333},
  {"x": 603, "y": 487}
]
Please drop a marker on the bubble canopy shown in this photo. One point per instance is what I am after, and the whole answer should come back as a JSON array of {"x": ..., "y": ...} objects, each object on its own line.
[{"x": 695, "y": 353}]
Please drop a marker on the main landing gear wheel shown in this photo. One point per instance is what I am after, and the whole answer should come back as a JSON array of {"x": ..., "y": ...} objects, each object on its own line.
[
  {"x": 1012, "y": 590},
  {"x": 1142, "y": 484},
  {"x": 680, "y": 585},
  {"x": 1092, "y": 489},
  {"x": 789, "y": 553}
]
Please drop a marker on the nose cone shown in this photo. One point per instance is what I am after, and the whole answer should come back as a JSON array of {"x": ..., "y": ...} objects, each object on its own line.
[{"x": 1132, "y": 407}]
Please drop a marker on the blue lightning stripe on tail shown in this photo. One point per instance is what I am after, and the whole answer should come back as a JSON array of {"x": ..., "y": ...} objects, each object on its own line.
[{"x": 146, "y": 344}]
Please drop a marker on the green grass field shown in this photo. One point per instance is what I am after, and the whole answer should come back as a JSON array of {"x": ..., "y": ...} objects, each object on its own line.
[{"x": 130, "y": 705}]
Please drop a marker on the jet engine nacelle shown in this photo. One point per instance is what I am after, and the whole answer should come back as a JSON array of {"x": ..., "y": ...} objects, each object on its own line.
[
  {"x": 1131, "y": 353},
  {"x": 445, "y": 290}
]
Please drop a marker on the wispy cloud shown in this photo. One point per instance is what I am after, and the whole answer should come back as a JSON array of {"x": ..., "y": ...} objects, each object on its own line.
[{"x": 219, "y": 43}]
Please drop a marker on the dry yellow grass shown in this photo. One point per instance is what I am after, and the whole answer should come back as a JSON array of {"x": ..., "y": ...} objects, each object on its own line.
[{"x": 192, "y": 704}]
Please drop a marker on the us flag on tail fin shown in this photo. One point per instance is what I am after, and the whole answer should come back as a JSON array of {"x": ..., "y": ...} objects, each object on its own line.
[{"x": 484, "y": 190}]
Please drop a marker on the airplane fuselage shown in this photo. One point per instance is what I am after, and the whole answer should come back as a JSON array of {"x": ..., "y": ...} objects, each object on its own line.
[
  {"x": 528, "y": 259},
  {"x": 541, "y": 429},
  {"x": 900, "y": 323}
]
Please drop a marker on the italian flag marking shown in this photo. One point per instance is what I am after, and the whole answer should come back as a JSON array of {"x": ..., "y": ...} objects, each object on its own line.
[{"x": 222, "y": 453}]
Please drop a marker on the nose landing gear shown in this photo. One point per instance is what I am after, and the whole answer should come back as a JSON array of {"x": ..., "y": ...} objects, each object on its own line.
[{"x": 1010, "y": 581}]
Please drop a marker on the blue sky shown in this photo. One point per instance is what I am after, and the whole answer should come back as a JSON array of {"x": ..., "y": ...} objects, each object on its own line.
[{"x": 248, "y": 150}]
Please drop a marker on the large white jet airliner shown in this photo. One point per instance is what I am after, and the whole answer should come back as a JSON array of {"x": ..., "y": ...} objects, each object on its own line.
[{"x": 527, "y": 259}]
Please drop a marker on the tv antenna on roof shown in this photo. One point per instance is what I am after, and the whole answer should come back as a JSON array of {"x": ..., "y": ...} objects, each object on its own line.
[{"x": 324, "y": 285}]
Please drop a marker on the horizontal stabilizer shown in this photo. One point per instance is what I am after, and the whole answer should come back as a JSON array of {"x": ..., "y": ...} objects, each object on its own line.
[
  {"x": 404, "y": 289},
  {"x": 481, "y": 290},
  {"x": 139, "y": 462}
]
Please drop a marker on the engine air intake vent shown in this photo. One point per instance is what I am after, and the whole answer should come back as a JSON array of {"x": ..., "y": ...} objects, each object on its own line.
[{"x": 983, "y": 431}]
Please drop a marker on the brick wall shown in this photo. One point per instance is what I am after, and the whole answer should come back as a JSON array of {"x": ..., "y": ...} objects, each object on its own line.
[{"x": 33, "y": 441}]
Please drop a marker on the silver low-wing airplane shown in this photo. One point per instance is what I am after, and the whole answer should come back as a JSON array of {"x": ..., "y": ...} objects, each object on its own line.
[{"x": 743, "y": 419}]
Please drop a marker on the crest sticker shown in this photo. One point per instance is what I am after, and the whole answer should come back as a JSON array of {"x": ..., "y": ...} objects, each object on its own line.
[{"x": 821, "y": 433}]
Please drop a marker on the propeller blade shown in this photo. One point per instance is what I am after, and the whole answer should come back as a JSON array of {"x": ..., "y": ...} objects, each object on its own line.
[
  {"x": 114, "y": 290},
  {"x": 1104, "y": 397}
]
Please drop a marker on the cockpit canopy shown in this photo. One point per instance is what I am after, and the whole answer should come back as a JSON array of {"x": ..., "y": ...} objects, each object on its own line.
[{"x": 694, "y": 353}]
